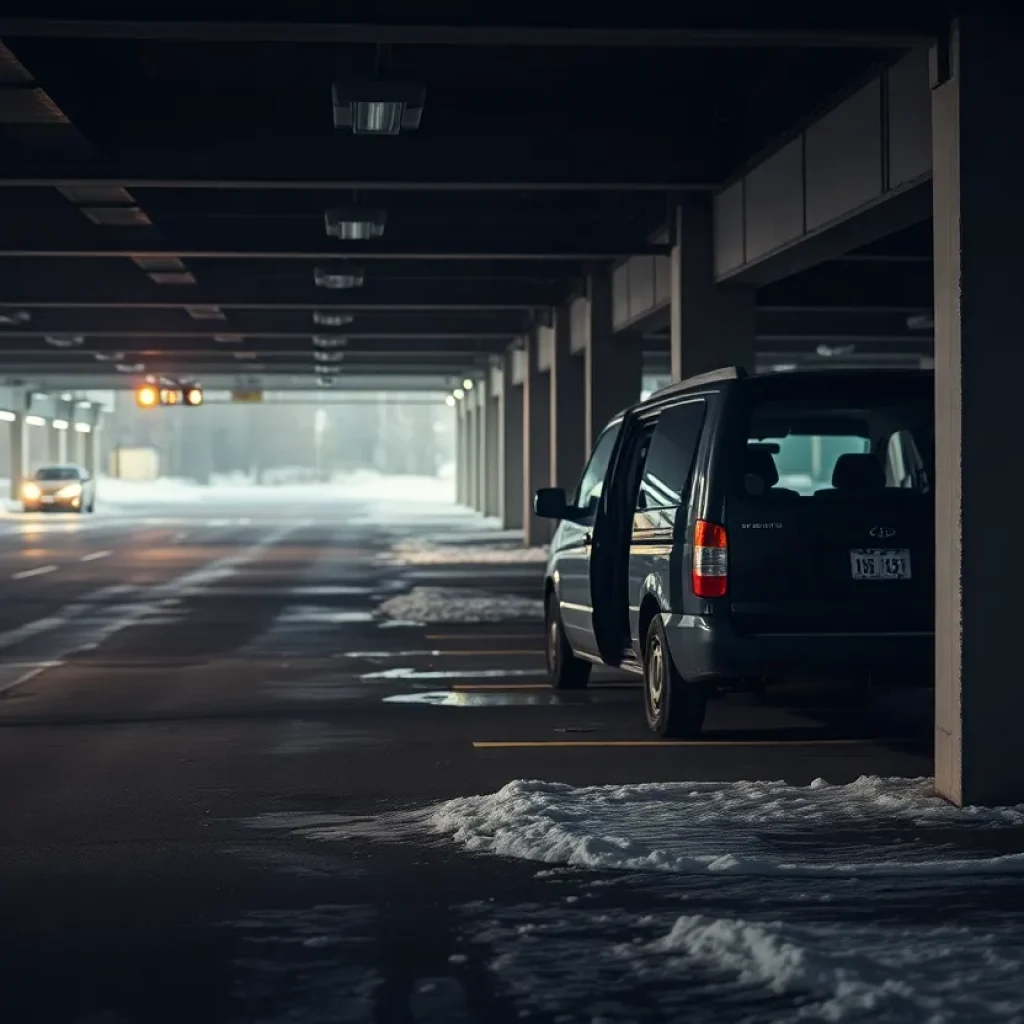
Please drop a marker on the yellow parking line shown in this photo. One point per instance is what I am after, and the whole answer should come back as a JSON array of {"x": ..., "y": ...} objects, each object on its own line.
[
  {"x": 482, "y": 653},
  {"x": 511, "y": 744}
]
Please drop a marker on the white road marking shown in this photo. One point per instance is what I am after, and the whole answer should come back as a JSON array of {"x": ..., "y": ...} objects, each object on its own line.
[
  {"x": 28, "y": 674},
  {"x": 95, "y": 556},
  {"x": 26, "y": 573}
]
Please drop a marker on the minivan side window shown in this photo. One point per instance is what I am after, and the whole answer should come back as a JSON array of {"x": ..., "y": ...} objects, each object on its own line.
[
  {"x": 670, "y": 456},
  {"x": 592, "y": 481}
]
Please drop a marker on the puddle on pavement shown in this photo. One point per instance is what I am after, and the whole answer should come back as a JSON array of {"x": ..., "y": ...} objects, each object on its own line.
[
  {"x": 534, "y": 698},
  {"x": 327, "y": 590}
]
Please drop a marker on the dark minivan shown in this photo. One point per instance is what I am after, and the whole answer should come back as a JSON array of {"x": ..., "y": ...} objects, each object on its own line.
[{"x": 735, "y": 529}]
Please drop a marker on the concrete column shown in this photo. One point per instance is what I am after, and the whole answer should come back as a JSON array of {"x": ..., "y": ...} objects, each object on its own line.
[
  {"x": 53, "y": 436},
  {"x": 460, "y": 454},
  {"x": 536, "y": 443},
  {"x": 18, "y": 455},
  {"x": 612, "y": 364},
  {"x": 479, "y": 396},
  {"x": 90, "y": 448},
  {"x": 493, "y": 454},
  {"x": 978, "y": 167},
  {"x": 468, "y": 402},
  {"x": 712, "y": 325},
  {"x": 510, "y": 446},
  {"x": 566, "y": 394}
]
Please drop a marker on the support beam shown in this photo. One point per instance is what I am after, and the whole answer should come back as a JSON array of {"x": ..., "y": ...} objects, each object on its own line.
[
  {"x": 461, "y": 453},
  {"x": 493, "y": 506},
  {"x": 18, "y": 456},
  {"x": 472, "y": 449},
  {"x": 712, "y": 325},
  {"x": 978, "y": 216},
  {"x": 612, "y": 364},
  {"x": 511, "y": 445},
  {"x": 567, "y": 406},
  {"x": 536, "y": 443},
  {"x": 480, "y": 401}
]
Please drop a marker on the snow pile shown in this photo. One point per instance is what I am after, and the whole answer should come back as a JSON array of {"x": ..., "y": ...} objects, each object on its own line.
[
  {"x": 428, "y": 552},
  {"x": 869, "y": 972},
  {"x": 740, "y": 828},
  {"x": 450, "y": 604}
]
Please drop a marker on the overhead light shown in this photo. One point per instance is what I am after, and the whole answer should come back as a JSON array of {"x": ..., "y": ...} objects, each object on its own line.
[
  {"x": 19, "y": 316},
  {"x": 41, "y": 395},
  {"x": 330, "y": 340},
  {"x": 67, "y": 397},
  {"x": 322, "y": 369},
  {"x": 467, "y": 384},
  {"x": 830, "y": 351},
  {"x": 921, "y": 322},
  {"x": 193, "y": 395},
  {"x": 328, "y": 357},
  {"x": 64, "y": 340},
  {"x": 228, "y": 339},
  {"x": 83, "y": 428},
  {"x": 783, "y": 367},
  {"x": 131, "y": 367},
  {"x": 117, "y": 216},
  {"x": 108, "y": 357},
  {"x": 205, "y": 312},
  {"x": 378, "y": 108},
  {"x": 35, "y": 421},
  {"x": 348, "y": 277},
  {"x": 60, "y": 424},
  {"x": 157, "y": 263},
  {"x": 459, "y": 394},
  {"x": 109, "y": 195},
  {"x": 173, "y": 277},
  {"x": 327, "y": 319},
  {"x": 7, "y": 417},
  {"x": 325, "y": 382},
  {"x": 244, "y": 355},
  {"x": 354, "y": 224},
  {"x": 147, "y": 397},
  {"x": 449, "y": 401}
]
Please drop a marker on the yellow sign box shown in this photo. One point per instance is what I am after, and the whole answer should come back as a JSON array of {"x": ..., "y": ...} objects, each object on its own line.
[{"x": 247, "y": 396}]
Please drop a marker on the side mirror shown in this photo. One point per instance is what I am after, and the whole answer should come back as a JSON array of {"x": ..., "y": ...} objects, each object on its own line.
[{"x": 549, "y": 503}]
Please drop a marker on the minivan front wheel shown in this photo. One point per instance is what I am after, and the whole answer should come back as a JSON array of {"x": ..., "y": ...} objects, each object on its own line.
[
  {"x": 675, "y": 707},
  {"x": 565, "y": 670}
]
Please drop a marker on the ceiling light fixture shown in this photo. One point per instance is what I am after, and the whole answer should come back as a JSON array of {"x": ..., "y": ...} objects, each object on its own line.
[
  {"x": 329, "y": 340},
  {"x": 354, "y": 224},
  {"x": 108, "y": 357},
  {"x": 830, "y": 351},
  {"x": 19, "y": 316},
  {"x": 377, "y": 108},
  {"x": 328, "y": 357},
  {"x": 467, "y": 384},
  {"x": 64, "y": 340},
  {"x": 325, "y": 318},
  {"x": 459, "y": 394},
  {"x": 347, "y": 277},
  {"x": 921, "y": 322},
  {"x": 449, "y": 401}
]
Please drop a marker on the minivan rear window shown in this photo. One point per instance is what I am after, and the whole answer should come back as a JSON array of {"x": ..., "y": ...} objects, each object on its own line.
[{"x": 847, "y": 443}]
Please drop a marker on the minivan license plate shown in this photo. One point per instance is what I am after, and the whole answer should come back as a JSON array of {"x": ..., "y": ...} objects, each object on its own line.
[{"x": 880, "y": 563}]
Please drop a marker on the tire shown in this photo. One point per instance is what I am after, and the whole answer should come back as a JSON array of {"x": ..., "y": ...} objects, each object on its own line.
[
  {"x": 565, "y": 670},
  {"x": 674, "y": 707}
]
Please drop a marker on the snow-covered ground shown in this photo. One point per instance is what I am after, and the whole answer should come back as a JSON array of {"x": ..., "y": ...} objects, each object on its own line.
[
  {"x": 422, "y": 551},
  {"x": 727, "y": 827},
  {"x": 451, "y": 604}
]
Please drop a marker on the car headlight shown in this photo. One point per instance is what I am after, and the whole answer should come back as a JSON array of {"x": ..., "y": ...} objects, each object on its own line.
[
  {"x": 71, "y": 491},
  {"x": 31, "y": 491}
]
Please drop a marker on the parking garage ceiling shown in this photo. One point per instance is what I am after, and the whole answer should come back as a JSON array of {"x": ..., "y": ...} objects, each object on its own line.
[{"x": 190, "y": 196}]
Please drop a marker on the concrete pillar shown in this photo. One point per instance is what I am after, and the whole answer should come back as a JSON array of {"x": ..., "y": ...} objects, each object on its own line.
[
  {"x": 18, "y": 455},
  {"x": 90, "y": 447},
  {"x": 460, "y": 454},
  {"x": 468, "y": 402},
  {"x": 493, "y": 454},
  {"x": 536, "y": 442},
  {"x": 510, "y": 445},
  {"x": 612, "y": 364},
  {"x": 566, "y": 394},
  {"x": 712, "y": 325},
  {"x": 53, "y": 445},
  {"x": 978, "y": 167},
  {"x": 479, "y": 395}
]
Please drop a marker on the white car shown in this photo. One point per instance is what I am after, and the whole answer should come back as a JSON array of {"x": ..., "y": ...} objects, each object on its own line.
[{"x": 59, "y": 488}]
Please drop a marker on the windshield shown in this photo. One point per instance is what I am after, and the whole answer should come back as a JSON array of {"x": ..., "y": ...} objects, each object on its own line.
[{"x": 58, "y": 473}]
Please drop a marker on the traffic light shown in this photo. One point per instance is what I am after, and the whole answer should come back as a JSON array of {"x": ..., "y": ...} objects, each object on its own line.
[
  {"x": 147, "y": 397},
  {"x": 193, "y": 395},
  {"x": 168, "y": 392}
]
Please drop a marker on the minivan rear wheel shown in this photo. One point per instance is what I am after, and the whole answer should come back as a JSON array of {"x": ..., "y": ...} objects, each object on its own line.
[
  {"x": 675, "y": 707},
  {"x": 565, "y": 670}
]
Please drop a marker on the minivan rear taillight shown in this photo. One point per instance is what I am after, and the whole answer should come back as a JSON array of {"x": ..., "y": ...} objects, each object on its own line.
[{"x": 710, "y": 559}]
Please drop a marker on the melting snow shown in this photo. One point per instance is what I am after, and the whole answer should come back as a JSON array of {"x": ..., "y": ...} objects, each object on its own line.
[
  {"x": 449, "y": 604},
  {"x": 427, "y": 552},
  {"x": 872, "y": 826}
]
